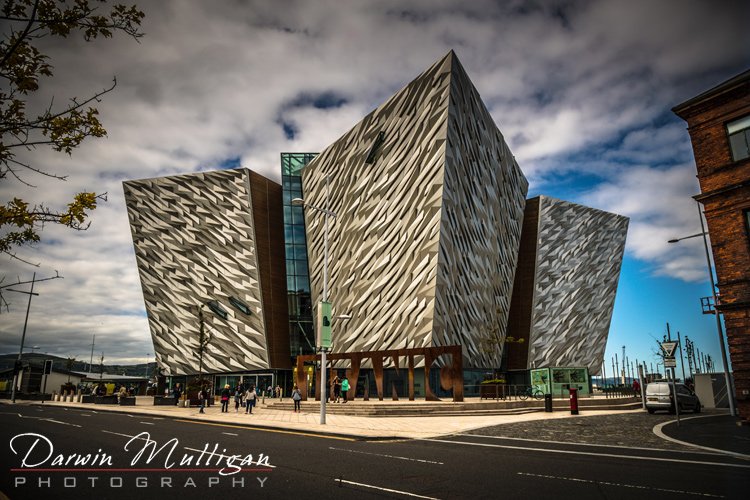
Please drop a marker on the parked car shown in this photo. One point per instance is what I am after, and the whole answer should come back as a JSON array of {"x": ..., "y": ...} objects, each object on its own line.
[{"x": 659, "y": 397}]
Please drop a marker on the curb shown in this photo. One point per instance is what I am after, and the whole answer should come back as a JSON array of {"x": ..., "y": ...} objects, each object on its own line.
[{"x": 658, "y": 431}]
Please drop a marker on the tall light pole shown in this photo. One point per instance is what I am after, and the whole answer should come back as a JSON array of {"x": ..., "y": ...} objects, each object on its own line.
[
  {"x": 326, "y": 214},
  {"x": 722, "y": 345}
]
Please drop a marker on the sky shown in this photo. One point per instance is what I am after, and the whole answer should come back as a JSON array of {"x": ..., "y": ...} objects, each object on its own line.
[{"x": 581, "y": 90}]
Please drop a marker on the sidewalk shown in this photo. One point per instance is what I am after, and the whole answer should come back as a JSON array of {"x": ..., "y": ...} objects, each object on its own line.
[
  {"x": 341, "y": 425},
  {"x": 716, "y": 431}
]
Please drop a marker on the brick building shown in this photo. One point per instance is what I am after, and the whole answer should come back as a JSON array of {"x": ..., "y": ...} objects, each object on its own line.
[{"x": 719, "y": 126}]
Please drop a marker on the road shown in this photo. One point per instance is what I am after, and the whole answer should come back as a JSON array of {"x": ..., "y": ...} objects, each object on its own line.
[{"x": 43, "y": 444}]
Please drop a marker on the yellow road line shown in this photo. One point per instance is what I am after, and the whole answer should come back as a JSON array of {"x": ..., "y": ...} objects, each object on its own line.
[{"x": 268, "y": 429}]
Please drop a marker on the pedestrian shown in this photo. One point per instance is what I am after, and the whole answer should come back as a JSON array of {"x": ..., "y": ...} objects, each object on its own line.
[
  {"x": 202, "y": 399},
  {"x": 122, "y": 394},
  {"x": 250, "y": 397},
  {"x": 238, "y": 398},
  {"x": 278, "y": 392},
  {"x": 636, "y": 388},
  {"x": 177, "y": 392},
  {"x": 336, "y": 389},
  {"x": 225, "y": 399},
  {"x": 297, "y": 397},
  {"x": 344, "y": 388}
]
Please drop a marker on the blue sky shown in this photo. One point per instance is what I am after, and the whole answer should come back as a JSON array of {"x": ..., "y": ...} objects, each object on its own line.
[{"x": 581, "y": 90}]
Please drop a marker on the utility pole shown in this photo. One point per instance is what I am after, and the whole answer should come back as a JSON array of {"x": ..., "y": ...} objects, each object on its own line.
[
  {"x": 624, "y": 370},
  {"x": 23, "y": 338},
  {"x": 91, "y": 360},
  {"x": 617, "y": 373}
]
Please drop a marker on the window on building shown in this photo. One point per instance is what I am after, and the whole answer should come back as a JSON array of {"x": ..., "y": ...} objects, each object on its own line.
[
  {"x": 739, "y": 138},
  {"x": 240, "y": 305},
  {"x": 217, "y": 309}
]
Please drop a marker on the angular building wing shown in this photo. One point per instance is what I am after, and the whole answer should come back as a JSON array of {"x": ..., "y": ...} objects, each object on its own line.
[
  {"x": 429, "y": 203},
  {"x": 212, "y": 240},
  {"x": 565, "y": 286}
]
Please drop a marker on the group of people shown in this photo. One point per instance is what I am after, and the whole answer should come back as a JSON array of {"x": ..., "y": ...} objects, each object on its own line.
[
  {"x": 340, "y": 389},
  {"x": 245, "y": 398}
]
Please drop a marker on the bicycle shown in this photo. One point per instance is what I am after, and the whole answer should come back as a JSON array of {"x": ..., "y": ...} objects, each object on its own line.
[{"x": 530, "y": 392}]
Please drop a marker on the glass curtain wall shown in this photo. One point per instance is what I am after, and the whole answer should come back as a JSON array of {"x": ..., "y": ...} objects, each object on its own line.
[{"x": 301, "y": 333}]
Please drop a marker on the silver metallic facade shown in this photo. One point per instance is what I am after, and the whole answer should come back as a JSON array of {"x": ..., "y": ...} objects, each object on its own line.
[
  {"x": 578, "y": 258},
  {"x": 195, "y": 241},
  {"x": 429, "y": 204}
]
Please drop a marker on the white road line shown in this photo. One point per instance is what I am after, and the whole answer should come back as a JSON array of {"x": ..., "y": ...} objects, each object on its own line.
[
  {"x": 658, "y": 431},
  {"x": 58, "y": 422},
  {"x": 123, "y": 435},
  {"x": 41, "y": 418},
  {"x": 230, "y": 433},
  {"x": 147, "y": 423},
  {"x": 585, "y": 444},
  {"x": 387, "y": 456},
  {"x": 570, "y": 452},
  {"x": 621, "y": 485},
  {"x": 406, "y": 493}
]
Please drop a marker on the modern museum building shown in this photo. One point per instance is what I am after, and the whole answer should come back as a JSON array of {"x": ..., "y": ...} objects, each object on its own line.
[{"x": 413, "y": 228}]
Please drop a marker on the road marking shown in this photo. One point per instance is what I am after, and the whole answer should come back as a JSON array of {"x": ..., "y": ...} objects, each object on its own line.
[
  {"x": 230, "y": 433},
  {"x": 658, "y": 431},
  {"x": 147, "y": 423},
  {"x": 584, "y": 444},
  {"x": 40, "y": 418},
  {"x": 387, "y": 456},
  {"x": 406, "y": 493},
  {"x": 571, "y": 452},
  {"x": 621, "y": 485},
  {"x": 267, "y": 429},
  {"x": 58, "y": 422}
]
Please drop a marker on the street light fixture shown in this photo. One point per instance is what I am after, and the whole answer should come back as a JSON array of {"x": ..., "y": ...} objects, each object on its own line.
[
  {"x": 327, "y": 214},
  {"x": 722, "y": 344}
]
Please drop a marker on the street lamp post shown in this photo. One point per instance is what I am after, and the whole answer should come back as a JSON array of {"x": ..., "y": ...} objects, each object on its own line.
[
  {"x": 722, "y": 345},
  {"x": 326, "y": 213}
]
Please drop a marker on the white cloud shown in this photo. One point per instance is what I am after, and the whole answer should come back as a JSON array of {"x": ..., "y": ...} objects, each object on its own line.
[{"x": 576, "y": 88}]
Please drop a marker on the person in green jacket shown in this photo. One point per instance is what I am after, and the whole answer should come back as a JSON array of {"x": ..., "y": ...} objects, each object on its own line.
[{"x": 344, "y": 388}]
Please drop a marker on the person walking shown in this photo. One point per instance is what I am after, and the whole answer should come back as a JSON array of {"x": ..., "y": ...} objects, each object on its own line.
[
  {"x": 225, "y": 399},
  {"x": 250, "y": 397},
  {"x": 297, "y": 398},
  {"x": 177, "y": 393},
  {"x": 237, "y": 398},
  {"x": 344, "y": 387},
  {"x": 202, "y": 399},
  {"x": 278, "y": 391},
  {"x": 336, "y": 389}
]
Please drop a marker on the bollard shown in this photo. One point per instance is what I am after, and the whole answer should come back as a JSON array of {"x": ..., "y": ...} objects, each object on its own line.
[
  {"x": 548, "y": 403},
  {"x": 573, "y": 401}
]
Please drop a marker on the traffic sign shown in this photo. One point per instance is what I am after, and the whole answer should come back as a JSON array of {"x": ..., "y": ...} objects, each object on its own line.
[
  {"x": 668, "y": 348},
  {"x": 670, "y": 362}
]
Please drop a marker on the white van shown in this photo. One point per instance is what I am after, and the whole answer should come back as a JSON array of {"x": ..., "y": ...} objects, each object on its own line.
[{"x": 659, "y": 397}]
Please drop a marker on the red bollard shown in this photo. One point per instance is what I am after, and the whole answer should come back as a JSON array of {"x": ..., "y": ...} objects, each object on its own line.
[{"x": 573, "y": 401}]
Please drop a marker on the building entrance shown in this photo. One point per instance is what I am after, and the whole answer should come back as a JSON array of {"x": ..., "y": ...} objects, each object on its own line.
[{"x": 261, "y": 381}]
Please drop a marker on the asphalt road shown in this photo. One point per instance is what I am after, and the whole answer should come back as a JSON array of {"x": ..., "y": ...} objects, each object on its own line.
[{"x": 280, "y": 464}]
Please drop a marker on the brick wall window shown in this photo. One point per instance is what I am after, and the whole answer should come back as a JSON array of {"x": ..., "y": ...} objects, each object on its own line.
[{"x": 739, "y": 138}]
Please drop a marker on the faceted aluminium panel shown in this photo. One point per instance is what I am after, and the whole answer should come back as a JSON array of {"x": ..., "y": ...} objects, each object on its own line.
[
  {"x": 578, "y": 258},
  {"x": 429, "y": 203},
  {"x": 195, "y": 242}
]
